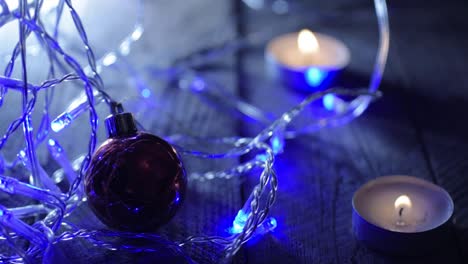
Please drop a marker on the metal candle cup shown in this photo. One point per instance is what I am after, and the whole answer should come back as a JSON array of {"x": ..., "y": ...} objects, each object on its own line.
[
  {"x": 401, "y": 215},
  {"x": 306, "y": 61}
]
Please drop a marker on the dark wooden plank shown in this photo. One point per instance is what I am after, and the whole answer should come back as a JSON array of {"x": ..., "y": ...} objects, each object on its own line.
[
  {"x": 318, "y": 174},
  {"x": 437, "y": 99}
]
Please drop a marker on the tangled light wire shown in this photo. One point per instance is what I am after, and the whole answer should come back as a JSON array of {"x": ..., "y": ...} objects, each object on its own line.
[{"x": 251, "y": 219}]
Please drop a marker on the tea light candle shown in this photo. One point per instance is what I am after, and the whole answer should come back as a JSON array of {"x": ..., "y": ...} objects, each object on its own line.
[
  {"x": 401, "y": 215},
  {"x": 306, "y": 61}
]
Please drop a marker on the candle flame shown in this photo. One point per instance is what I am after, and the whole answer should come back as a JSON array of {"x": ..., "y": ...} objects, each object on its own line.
[
  {"x": 403, "y": 201},
  {"x": 307, "y": 42}
]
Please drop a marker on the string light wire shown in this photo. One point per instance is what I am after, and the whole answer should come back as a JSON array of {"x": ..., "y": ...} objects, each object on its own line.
[{"x": 54, "y": 228}]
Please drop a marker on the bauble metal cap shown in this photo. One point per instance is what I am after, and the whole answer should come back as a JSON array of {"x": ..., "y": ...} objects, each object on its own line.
[{"x": 120, "y": 125}]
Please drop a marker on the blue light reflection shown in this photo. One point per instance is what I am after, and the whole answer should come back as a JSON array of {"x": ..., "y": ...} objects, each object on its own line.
[
  {"x": 315, "y": 76},
  {"x": 329, "y": 101}
]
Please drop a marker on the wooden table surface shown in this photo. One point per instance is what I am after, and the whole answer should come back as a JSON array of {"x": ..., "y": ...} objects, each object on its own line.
[{"x": 418, "y": 128}]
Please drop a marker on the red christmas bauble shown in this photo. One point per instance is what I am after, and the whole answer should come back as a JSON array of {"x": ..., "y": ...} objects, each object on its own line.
[{"x": 135, "y": 181}]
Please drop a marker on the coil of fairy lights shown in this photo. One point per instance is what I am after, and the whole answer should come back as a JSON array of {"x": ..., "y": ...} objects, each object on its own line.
[{"x": 253, "y": 218}]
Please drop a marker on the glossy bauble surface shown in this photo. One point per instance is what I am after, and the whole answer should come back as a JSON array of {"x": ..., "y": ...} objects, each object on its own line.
[{"x": 135, "y": 183}]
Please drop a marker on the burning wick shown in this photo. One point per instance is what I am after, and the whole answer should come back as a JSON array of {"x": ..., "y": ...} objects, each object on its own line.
[{"x": 401, "y": 203}]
